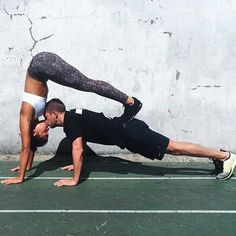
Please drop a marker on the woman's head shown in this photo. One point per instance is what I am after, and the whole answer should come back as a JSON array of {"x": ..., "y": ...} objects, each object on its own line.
[{"x": 39, "y": 134}]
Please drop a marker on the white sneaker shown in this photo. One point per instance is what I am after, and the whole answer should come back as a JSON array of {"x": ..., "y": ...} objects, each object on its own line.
[{"x": 228, "y": 167}]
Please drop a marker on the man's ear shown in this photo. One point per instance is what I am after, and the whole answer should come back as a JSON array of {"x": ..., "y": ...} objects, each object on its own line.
[{"x": 56, "y": 114}]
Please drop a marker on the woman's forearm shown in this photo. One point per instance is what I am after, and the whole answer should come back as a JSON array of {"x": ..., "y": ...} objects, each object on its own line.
[
  {"x": 26, "y": 118},
  {"x": 30, "y": 161},
  {"x": 24, "y": 158}
]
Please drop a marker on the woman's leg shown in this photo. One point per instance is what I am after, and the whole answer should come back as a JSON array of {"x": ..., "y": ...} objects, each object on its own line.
[{"x": 49, "y": 66}]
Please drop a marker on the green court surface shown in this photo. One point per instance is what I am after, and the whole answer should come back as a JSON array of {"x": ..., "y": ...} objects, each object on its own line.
[{"x": 118, "y": 197}]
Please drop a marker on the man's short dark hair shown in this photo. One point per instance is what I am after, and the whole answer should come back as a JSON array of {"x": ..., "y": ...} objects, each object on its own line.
[
  {"x": 55, "y": 105},
  {"x": 36, "y": 141}
]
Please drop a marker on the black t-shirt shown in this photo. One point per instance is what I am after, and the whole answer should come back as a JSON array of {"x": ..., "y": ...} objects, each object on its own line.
[
  {"x": 136, "y": 136},
  {"x": 94, "y": 127}
]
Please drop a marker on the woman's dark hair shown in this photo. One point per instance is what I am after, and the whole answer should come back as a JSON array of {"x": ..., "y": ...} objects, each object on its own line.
[{"x": 36, "y": 141}]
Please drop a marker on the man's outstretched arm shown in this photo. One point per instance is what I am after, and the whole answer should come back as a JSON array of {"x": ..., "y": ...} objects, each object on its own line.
[{"x": 77, "y": 154}]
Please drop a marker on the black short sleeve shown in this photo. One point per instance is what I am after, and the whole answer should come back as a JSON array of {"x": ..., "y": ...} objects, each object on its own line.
[{"x": 72, "y": 126}]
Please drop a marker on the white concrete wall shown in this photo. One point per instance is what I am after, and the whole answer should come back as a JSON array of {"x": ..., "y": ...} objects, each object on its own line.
[{"x": 177, "y": 56}]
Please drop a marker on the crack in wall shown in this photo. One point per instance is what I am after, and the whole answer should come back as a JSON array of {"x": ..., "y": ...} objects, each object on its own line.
[
  {"x": 177, "y": 75},
  {"x": 33, "y": 38},
  {"x": 11, "y": 15},
  {"x": 169, "y": 33},
  {"x": 207, "y": 86},
  {"x": 151, "y": 21},
  {"x": 35, "y": 41}
]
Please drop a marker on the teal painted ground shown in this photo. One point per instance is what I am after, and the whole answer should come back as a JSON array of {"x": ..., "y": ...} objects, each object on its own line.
[{"x": 107, "y": 194}]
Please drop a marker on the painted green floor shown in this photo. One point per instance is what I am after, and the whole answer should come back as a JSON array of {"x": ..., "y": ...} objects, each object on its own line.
[{"x": 198, "y": 190}]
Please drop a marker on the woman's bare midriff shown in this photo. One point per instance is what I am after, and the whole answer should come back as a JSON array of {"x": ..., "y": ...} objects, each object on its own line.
[{"x": 35, "y": 87}]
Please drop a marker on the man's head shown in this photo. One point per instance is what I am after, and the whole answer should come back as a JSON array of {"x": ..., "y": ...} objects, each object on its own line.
[
  {"x": 54, "y": 109},
  {"x": 39, "y": 134}
]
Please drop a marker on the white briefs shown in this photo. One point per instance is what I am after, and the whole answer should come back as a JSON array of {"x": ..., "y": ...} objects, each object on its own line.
[{"x": 37, "y": 102}]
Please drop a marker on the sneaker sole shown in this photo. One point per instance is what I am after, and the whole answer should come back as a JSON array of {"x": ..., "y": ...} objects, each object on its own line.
[{"x": 230, "y": 173}]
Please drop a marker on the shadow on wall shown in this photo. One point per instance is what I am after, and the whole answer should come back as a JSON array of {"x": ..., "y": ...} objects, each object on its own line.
[{"x": 94, "y": 163}]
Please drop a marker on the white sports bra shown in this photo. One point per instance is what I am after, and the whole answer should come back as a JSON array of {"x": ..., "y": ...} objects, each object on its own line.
[{"x": 37, "y": 102}]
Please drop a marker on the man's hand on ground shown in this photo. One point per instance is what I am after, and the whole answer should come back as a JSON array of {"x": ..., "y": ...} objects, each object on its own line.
[
  {"x": 65, "y": 182},
  {"x": 69, "y": 167}
]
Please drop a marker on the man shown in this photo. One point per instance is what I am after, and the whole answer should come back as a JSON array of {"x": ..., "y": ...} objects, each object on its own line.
[{"x": 82, "y": 126}]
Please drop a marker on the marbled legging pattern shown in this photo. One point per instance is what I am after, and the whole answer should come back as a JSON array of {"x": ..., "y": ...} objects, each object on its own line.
[{"x": 49, "y": 66}]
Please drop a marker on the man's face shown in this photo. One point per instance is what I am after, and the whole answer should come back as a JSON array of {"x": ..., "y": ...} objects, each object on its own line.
[
  {"x": 41, "y": 130},
  {"x": 51, "y": 119}
]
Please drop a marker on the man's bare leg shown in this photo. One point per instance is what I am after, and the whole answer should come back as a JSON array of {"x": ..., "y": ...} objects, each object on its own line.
[{"x": 195, "y": 150}]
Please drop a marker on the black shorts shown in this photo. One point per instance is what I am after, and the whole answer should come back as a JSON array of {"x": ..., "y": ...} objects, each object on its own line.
[{"x": 144, "y": 141}]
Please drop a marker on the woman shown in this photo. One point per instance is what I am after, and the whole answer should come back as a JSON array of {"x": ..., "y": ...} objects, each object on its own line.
[{"x": 49, "y": 66}]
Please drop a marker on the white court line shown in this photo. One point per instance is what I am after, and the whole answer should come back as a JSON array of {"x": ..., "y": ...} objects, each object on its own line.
[
  {"x": 125, "y": 211},
  {"x": 122, "y": 178}
]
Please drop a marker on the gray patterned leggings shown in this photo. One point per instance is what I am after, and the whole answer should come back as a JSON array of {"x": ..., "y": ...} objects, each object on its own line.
[{"x": 49, "y": 66}]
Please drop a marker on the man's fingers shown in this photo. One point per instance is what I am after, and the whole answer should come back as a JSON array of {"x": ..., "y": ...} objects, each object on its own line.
[
  {"x": 70, "y": 167},
  {"x": 58, "y": 183},
  {"x": 66, "y": 167},
  {"x": 65, "y": 182},
  {"x": 5, "y": 182}
]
